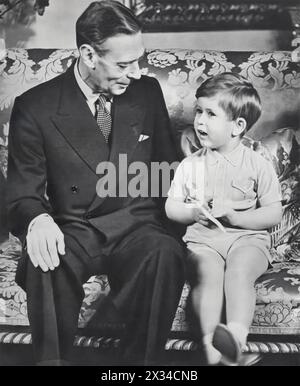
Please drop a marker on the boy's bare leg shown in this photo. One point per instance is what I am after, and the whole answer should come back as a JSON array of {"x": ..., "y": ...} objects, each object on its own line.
[
  {"x": 243, "y": 266},
  {"x": 207, "y": 268}
]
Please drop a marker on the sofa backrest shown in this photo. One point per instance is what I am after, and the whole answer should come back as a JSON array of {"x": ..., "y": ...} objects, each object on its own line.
[{"x": 180, "y": 72}]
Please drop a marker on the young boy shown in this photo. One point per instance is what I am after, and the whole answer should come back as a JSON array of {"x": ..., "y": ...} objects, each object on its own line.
[{"x": 240, "y": 189}]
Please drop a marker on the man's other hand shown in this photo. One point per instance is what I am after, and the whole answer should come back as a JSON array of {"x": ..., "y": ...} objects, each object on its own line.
[{"x": 44, "y": 242}]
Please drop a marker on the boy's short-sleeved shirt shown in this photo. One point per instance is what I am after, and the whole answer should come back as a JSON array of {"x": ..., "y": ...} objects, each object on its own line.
[{"x": 242, "y": 180}]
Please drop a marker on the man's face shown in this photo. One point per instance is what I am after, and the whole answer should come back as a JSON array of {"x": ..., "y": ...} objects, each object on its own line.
[
  {"x": 212, "y": 126},
  {"x": 115, "y": 70}
]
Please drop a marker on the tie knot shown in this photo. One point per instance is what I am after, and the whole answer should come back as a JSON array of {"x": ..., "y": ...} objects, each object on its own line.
[{"x": 101, "y": 101}]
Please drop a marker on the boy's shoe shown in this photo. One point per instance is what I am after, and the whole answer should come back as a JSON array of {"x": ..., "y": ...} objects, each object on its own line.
[
  {"x": 249, "y": 359},
  {"x": 225, "y": 342}
]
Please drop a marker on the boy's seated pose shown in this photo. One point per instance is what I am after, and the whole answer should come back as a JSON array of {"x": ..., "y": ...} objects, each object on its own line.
[{"x": 240, "y": 189}]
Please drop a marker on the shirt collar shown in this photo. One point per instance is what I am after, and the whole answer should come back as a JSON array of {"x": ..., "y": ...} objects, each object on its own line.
[
  {"x": 213, "y": 156},
  {"x": 89, "y": 94}
]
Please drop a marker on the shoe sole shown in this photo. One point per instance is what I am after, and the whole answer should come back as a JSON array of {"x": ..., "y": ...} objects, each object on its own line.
[
  {"x": 249, "y": 359},
  {"x": 224, "y": 341}
]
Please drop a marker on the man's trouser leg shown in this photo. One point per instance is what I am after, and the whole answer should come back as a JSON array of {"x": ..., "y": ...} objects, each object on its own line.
[
  {"x": 146, "y": 273},
  {"x": 54, "y": 299}
]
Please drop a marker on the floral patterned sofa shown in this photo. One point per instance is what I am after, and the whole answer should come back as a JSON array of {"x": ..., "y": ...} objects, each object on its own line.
[{"x": 276, "y": 323}]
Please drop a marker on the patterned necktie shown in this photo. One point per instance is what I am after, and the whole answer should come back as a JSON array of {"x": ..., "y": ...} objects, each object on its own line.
[{"x": 103, "y": 117}]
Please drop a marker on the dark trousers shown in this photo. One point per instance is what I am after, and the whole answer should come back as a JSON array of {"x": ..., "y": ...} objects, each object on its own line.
[{"x": 146, "y": 275}]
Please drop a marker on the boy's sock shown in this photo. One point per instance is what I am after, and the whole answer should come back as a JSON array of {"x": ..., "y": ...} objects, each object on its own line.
[
  {"x": 213, "y": 356},
  {"x": 239, "y": 331}
]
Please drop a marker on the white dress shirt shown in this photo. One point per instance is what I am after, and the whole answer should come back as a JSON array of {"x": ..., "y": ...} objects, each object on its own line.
[{"x": 90, "y": 96}]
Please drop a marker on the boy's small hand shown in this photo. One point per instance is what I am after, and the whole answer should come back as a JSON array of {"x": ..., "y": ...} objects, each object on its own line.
[
  {"x": 228, "y": 215},
  {"x": 199, "y": 216}
]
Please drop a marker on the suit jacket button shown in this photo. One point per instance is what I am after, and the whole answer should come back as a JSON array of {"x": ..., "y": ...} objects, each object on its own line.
[{"x": 74, "y": 189}]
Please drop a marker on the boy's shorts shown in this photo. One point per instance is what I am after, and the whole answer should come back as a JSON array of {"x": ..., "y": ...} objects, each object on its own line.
[{"x": 223, "y": 243}]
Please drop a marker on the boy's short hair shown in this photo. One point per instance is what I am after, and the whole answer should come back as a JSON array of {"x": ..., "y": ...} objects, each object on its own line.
[
  {"x": 102, "y": 20},
  {"x": 238, "y": 97}
]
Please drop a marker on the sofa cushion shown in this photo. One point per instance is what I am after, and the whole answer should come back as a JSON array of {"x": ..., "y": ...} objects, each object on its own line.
[
  {"x": 277, "y": 307},
  {"x": 278, "y": 300}
]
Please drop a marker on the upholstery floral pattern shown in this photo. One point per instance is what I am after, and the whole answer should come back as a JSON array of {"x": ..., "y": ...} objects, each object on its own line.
[
  {"x": 282, "y": 147},
  {"x": 276, "y": 135},
  {"x": 277, "y": 305},
  {"x": 13, "y": 308},
  {"x": 278, "y": 299}
]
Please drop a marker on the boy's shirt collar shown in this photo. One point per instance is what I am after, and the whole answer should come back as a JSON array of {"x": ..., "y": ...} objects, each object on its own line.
[{"x": 213, "y": 156}]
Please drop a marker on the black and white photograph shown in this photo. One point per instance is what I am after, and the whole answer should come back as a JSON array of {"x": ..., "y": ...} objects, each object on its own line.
[{"x": 149, "y": 185}]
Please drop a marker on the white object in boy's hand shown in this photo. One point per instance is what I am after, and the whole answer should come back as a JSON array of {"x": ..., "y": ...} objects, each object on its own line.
[{"x": 209, "y": 216}]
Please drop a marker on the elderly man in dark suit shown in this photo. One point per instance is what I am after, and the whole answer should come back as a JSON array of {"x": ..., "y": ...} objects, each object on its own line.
[{"x": 61, "y": 131}]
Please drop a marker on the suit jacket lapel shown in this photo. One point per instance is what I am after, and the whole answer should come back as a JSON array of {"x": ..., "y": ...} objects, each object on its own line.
[
  {"x": 127, "y": 118},
  {"x": 127, "y": 126},
  {"x": 76, "y": 123}
]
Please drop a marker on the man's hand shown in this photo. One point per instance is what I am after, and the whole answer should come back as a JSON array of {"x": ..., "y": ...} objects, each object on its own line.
[{"x": 44, "y": 242}]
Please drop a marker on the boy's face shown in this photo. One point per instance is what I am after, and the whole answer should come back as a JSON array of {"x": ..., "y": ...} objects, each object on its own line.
[{"x": 212, "y": 125}]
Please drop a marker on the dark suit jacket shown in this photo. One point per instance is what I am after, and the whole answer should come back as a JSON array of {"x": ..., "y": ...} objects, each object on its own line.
[{"x": 55, "y": 146}]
